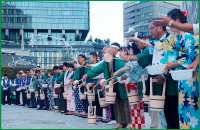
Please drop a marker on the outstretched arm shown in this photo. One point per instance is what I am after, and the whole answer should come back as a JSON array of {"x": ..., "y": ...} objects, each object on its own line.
[
  {"x": 125, "y": 68},
  {"x": 165, "y": 21}
]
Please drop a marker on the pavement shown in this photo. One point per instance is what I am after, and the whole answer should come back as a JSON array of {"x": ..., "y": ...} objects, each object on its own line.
[{"x": 18, "y": 117}]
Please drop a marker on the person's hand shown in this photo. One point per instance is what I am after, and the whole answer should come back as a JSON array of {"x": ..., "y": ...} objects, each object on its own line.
[
  {"x": 70, "y": 83},
  {"x": 168, "y": 66},
  {"x": 34, "y": 90},
  {"x": 133, "y": 39},
  {"x": 123, "y": 77},
  {"x": 84, "y": 83},
  {"x": 159, "y": 79},
  {"x": 112, "y": 81},
  {"x": 50, "y": 87},
  {"x": 95, "y": 86},
  {"x": 125, "y": 58},
  {"x": 116, "y": 74},
  {"x": 194, "y": 65},
  {"x": 54, "y": 82},
  {"x": 164, "y": 21},
  {"x": 85, "y": 76},
  {"x": 87, "y": 66},
  {"x": 81, "y": 85},
  {"x": 102, "y": 89},
  {"x": 39, "y": 79}
]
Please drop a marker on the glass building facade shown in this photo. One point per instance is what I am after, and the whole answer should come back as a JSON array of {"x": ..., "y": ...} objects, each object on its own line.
[
  {"x": 140, "y": 13},
  {"x": 53, "y": 18},
  {"x": 42, "y": 17}
]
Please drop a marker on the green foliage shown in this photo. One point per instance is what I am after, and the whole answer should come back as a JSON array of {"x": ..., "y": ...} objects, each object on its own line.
[
  {"x": 11, "y": 72},
  {"x": 6, "y": 37},
  {"x": 64, "y": 36},
  {"x": 77, "y": 38},
  {"x": 49, "y": 38}
]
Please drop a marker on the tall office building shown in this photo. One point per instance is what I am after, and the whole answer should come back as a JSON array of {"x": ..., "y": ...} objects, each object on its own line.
[
  {"x": 50, "y": 19},
  {"x": 142, "y": 12}
]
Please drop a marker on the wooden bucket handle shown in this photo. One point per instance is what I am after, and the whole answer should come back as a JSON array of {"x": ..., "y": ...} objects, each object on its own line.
[
  {"x": 144, "y": 85},
  {"x": 94, "y": 110},
  {"x": 151, "y": 86}
]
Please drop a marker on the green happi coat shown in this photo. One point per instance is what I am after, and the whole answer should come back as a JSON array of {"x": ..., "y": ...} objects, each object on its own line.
[
  {"x": 77, "y": 75},
  {"x": 145, "y": 59},
  {"x": 37, "y": 82},
  {"x": 103, "y": 68}
]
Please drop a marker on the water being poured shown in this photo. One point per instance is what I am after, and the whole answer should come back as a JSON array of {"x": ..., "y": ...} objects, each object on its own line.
[
  {"x": 20, "y": 62},
  {"x": 37, "y": 37},
  {"x": 133, "y": 28}
]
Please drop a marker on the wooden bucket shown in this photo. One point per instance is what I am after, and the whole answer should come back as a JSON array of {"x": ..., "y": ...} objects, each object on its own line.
[
  {"x": 146, "y": 97},
  {"x": 110, "y": 96},
  {"x": 42, "y": 95},
  {"x": 82, "y": 96},
  {"x": 28, "y": 94},
  {"x": 55, "y": 95},
  {"x": 133, "y": 97},
  {"x": 91, "y": 96},
  {"x": 92, "y": 118},
  {"x": 102, "y": 101},
  {"x": 157, "y": 102}
]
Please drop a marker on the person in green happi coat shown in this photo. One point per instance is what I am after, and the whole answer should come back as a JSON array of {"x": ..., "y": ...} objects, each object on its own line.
[{"x": 121, "y": 107}]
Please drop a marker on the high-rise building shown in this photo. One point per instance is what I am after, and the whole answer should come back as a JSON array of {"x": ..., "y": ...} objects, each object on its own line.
[
  {"x": 140, "y": 13},
  {"x": 49, "y": 20}
]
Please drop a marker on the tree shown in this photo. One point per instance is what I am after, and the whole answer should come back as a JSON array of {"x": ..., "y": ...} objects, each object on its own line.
[
  {"x": 107, "y": 41},
  {"x": 95, "y": 40},
  {"x": 90, "y": 39},
  {"x": 64, "y": 36},
  {"x": 20, "y": 37},
  {"x": 49, "y": 38},
  {"x": 6, "y": 37},
  {"x": 77, "y": 38}
]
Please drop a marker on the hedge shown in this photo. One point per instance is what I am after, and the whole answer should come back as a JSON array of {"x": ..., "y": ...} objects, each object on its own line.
[{"x": 12, "y": 71}]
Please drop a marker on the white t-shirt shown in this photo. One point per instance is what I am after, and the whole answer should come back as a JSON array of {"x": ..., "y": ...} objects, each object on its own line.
[
  {"x": 6, "y": 82},
  {"x": 196, "y": 29}
]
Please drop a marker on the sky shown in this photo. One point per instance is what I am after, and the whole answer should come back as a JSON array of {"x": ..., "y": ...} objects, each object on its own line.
[{"x": 106, "y": 20}]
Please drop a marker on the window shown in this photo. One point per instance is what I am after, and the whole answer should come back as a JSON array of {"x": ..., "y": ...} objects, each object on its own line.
[
  {"x": 4, "y": 11},
  {"x": 162, "y": 14},
  {"x": 144, "y": 8},
  {"x": 164, "y": 8}
]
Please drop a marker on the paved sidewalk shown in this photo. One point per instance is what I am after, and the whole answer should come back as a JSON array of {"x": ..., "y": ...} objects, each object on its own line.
[{"x": 17, "y": 117}]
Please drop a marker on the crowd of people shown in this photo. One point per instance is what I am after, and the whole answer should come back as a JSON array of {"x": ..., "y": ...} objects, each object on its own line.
[{"x": 178, "y": 50}]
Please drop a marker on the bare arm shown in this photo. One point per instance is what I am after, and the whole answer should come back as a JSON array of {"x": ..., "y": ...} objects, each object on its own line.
[
  {"x": 165, "y": 21},
  {"x": 125, "y": 68}
]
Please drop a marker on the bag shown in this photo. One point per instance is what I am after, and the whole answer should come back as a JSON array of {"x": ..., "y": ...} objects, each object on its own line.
[
  {"x": 59, "y": 90},
  {"x": 42, "y": 95}
]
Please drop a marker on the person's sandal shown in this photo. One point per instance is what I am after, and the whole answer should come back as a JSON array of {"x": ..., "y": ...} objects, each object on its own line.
[
  {"x": 128, "y": 127},
  {"x": 106, "y": 120},
  {"x": 99, "y": 119},
  {"x": 117, "y": 127},
  {"x": 84, "y": 116}
]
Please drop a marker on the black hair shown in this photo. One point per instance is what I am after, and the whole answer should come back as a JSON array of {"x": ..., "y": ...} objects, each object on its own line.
[
  {"x": 20, "y": 73},
  {"x": 60, "y": 67},
  {"x": 83, "y": 56},
  {"x": 163, "y": 27},
  {"x": 177, "y": 14},
  {"x": 28, "y": 70},
  {"x": 123, "y": 49},
  {"x": 134, "y": 48},
  {"x": 93, "y": 54},
  {"x": 38, "y": 66},
  {"x": 66, "y": 64},
  {"x": 55, "y": 67},
  {"x": 5, "y": 75},
  {"x": 71, "y": 66}
]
